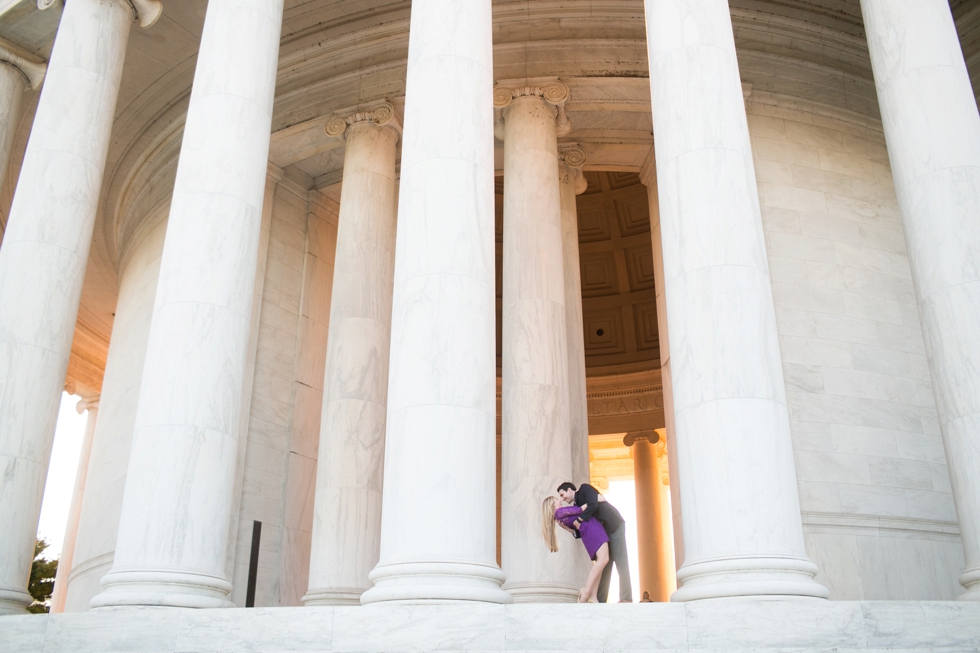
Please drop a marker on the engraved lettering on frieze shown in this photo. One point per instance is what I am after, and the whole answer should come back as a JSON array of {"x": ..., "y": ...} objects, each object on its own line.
[{"x": 625, "y": 403}]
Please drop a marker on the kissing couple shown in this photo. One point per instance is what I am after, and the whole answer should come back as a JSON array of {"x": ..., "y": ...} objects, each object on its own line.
[{"x": 589, "y": 517}]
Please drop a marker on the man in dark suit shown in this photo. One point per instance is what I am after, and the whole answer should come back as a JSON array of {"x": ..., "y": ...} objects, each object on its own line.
[{"x": 612, "y": 521}]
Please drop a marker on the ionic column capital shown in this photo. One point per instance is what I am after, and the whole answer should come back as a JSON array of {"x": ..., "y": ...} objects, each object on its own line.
[
  {"x": 92, "y": 403},
  {"x": 571, "y": 158},
  {"x": 650, "y": 436},
  {"x": 145, "y": 12},
  {"x": 554, "y": 93},
  {"x": 381, "y": 115},
  {"x": 33, "y": 71}
]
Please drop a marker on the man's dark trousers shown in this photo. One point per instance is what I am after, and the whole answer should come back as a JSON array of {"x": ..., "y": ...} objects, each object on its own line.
[{"x": 617, "y": 556}]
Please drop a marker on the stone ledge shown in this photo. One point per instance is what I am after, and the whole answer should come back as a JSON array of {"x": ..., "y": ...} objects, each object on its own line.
[{"x": 737, "y": 624}]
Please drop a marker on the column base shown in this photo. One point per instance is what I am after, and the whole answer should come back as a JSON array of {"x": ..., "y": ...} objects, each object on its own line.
[
  {"x": 14, "y": 601},
  {"x": 541, "y": 593},
  {"x": 748, "y": 576},
  {"x": 436, "y": 582},
  {"x": 162, "y": 588},
  {"x": 970, "y": 579},
  {"x": 336, "y": 596}
]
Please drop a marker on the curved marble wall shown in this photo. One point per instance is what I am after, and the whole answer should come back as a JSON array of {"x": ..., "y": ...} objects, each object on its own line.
[{"x": 874, "y": 490}]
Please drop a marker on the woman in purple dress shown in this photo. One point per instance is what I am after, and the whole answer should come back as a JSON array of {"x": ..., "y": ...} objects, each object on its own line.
[{"x": 593, "y": 536}]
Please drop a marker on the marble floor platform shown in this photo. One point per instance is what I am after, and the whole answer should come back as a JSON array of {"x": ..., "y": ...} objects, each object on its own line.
[{"x": 731, "y": 625}]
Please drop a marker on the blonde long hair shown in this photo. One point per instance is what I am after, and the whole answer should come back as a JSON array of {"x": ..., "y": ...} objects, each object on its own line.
[{"x": 548, "y": 524}]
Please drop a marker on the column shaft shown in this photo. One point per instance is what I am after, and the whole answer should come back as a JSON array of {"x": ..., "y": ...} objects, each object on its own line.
[
  {"x": 347, "y": 510},
  {"x": 12, "y": 87},
  {"x": 17, "y": 74},
  {"x": 652, "y": 527},
  {"x": 572, "y": 183},
  {"x": 106, "y": 478},
  {"x": 728, "y": 393},
  {"x": 437, "y": 527},
  {"x": 648, "y": 175},
  {"x": 42, "y": 264},
  {"x": 60, "y": 591},
  {"x": 536, "y": 441},
  {"x": 933, "y": 133},
  {"x": 174, "y": 527}
]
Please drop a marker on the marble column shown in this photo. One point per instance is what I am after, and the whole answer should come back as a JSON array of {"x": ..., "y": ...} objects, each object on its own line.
[
  {"x": 60, "y": 591},
  {"x": 933, "y": 133},
  {"x": 648, "y": 175},
  {"x": 174, "y": 526},
  {"x": 743, "y": 533},
  {"x": 572, "y": 183},
  {"x": 139, "y": 271},
  {"x": 652, "y": 516},
  {"x": 347, "y": 508},
  {"x": 437, "y": 525},
  {"x": 42, "y": 263},
  {"x": 17, "y": 74},
  {"x": 534, "y": 401}
]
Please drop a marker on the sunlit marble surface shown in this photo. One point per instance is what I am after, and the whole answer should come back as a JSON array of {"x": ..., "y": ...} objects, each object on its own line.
[
  {"x": 347, "y": 516},
  {"x": 536, "y": 446},
  {"x": 743, "y": 531},
  {"x": 934, "y": 148},
  {"x": 729, "y": 624}
]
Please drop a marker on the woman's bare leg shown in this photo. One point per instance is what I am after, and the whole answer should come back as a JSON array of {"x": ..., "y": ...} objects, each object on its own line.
[{"x": 592, "y": 583}]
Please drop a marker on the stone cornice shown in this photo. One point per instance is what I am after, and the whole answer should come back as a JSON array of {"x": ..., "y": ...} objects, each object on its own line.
[
  {"x": 33, "y": 71},
  {"x": 616, "y": 385}
]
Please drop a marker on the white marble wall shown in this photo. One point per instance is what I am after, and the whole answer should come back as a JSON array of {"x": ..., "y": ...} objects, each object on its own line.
[
  {"x": 877, "y": 507},
  {"x": 99, "y": 520},
  {"x": 304, "y": 428},
  {"x": 283, "y": 428}
]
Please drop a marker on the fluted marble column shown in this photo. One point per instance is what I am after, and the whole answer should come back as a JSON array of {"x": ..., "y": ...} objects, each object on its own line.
[
  {"x": 347, "y": 509},
  {"x": 572, "y": 183},
  {"x": 656, "y": 560},
  {"x": 743, "y": 533},
  {"x": 42, "y": 263},
  {"x": 75, "y": 510},
  {"x": 174, "y": 526},
  {"x": 17, "y": 74},
  {"x": 437, "y": 525},
  {"x": 933, "y": 133},
  {"x": 534, "y": 400}
]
